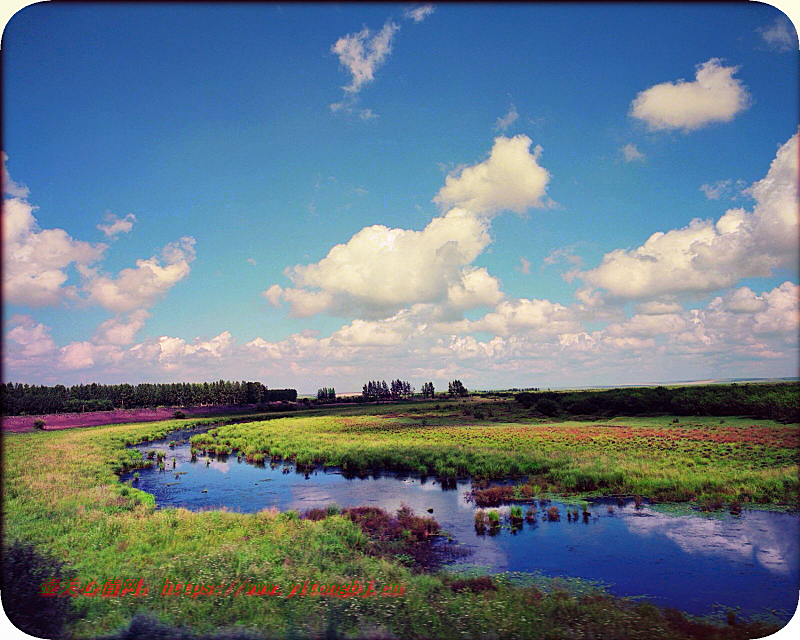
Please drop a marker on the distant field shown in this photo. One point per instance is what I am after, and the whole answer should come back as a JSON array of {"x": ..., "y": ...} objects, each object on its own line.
[{"x": 55, "y": 421}]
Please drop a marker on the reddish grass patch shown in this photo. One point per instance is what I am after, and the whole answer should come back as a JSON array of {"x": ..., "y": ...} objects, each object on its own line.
[
  {"x": 493, "y": 496},
  {"x": 475, "y": 585}
]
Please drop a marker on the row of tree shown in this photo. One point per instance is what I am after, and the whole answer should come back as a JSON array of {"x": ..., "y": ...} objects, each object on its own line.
[
  {"x": 380, "y": 390},
  {"x": 455, "y": 388},
  {"x": 326, "y": 393},
  {"x": 776, "y": 401},
  {"x": 23, "y": 399}
]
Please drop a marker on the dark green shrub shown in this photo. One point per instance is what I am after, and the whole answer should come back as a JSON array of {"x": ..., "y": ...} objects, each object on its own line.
[{"x": 24, "y": 571}]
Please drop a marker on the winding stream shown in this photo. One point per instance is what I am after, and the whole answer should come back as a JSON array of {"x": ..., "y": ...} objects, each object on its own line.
[{"x": 692, "y": 562}]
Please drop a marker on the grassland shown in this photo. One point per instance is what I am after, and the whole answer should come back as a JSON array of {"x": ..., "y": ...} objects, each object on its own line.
[
  {"x": 662, "y": 458},
  {"x": 62, "y": 495}
]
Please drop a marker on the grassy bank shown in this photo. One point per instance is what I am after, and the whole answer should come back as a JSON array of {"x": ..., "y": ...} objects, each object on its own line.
[
  {"x": 664, "y": 458},
  {"x": 62, "y": 495}
]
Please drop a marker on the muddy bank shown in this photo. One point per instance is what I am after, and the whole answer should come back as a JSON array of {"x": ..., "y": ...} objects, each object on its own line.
[{"x": 54, "y": 421}]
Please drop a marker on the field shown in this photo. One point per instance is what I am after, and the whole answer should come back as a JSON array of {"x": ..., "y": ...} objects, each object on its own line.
[
  {"x": 61, "y": 495},
  {"x": 663, "y": 458}
]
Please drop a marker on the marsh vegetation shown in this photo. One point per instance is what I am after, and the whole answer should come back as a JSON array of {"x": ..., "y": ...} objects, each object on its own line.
[{"x": 78, "y": 511}]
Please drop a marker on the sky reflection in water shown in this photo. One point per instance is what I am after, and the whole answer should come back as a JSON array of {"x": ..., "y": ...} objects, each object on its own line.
[{"x": 692, "y": 562}]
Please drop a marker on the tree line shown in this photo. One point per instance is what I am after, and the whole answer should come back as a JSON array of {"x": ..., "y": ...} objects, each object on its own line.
[
  {"x": 380, "y": 390},
  {"x": 777, "y": 401},
  {"x": 326, "y": 393},
  {"x": 23, "y": 399}
]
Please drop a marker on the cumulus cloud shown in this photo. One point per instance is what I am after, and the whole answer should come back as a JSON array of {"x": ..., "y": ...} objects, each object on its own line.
[
  {"x": 362, "y": 54},
  {"x": 35, "y": 260},
  {"x": 77, "y": 355},
  {"x": 714, "y": 96},
  {"x": 114, "y": 225},
  {"x": 9, "y": 186},
  {"x": 533, "y": 317},
  {"x": 631, "y": 153},
  {"x": 141, "y": 287},
  {"x": 510, "y": 179},
  {"x": 704, "y": 255},
  {"x": 507, "y": 120},
  {"x": 419, "y": 13},
  {"x": 119, "y": 332},
  {"x": 381, "y": 270},
  {"x": 28, "y": 339},
  {"x": 172, "y": 349},
  {"x": 780, "y": 36}
]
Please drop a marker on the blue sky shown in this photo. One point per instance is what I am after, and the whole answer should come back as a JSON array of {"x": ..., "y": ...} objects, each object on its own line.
[{"x": 227, "y": 149}]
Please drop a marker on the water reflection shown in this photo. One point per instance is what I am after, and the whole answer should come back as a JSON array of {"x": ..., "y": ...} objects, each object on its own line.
[
  {"x": 750, "y": 537},
  {"x": 691, "y": 562}
]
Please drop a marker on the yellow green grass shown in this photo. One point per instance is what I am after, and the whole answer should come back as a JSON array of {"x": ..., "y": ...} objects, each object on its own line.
[{"x": 691, "y": 459}]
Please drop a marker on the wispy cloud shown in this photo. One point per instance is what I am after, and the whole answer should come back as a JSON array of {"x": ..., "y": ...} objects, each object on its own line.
[
  {"x": 781, "y": 36},
  {"x": 631, "y": 153},
  {"x": 524, "y": 266},
  {"x": 507, "y": 120},
  {"x": 362, "y": 54},
  {"x": 715, "y": 190},
  {"x": 9, "y": 186},
  {"x": 116, "y": 225},
  {"x": 419, "y": 14}
]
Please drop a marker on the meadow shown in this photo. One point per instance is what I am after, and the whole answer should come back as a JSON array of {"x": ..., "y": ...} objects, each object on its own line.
[
  {"x": 663, "y": 458},
  {"x": 62, "y": 495}
]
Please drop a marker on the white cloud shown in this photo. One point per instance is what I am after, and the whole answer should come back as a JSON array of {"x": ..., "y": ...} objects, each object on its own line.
[
  {"x": 524, "y": 266},
  {"x": 9, "y": 186},
  {"x": 252, "y": 261},
  {"x": 77, "y": 355},
  {"x": 381, "y": 269},
  {"x": 174, "y": 349},
  {"x": 117, "y": 332},
  {"x": 705, "y": 256},
  {"x": 273, "y": 294},
  {"x": 656, "y": 307},
  {"x": 781, "y": 36},
  {"x": 475, "y": 288},
  {"x": 35, "y": 260},
  {"x": 141, "y": 287},
  {"x": 714, "y": 191},
  {"x": 362, "y": 54},
  {"x": 507, "y": 120},
  {"x": 562, "y": 254},
  {"x": 631, "y": 153},
  {"x": 510, "y": 179},
  {"x": 116, "y": 225},
  {"x": 418, "y": 14},
  {"x": 31, "y": 340},
  {"x": 532, "y": 317},
  {"x": 714, "y": 96}
]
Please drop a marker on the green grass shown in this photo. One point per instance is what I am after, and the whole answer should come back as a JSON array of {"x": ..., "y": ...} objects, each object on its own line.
[
  {"x": 699, "y": 459},
  {"x": 62, "y": 495}
]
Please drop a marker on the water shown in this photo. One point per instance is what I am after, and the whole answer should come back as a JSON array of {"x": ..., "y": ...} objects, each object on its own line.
[{"x": 693, "y": 562}]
